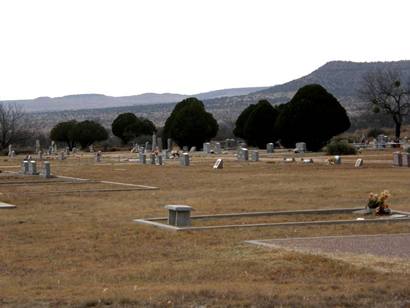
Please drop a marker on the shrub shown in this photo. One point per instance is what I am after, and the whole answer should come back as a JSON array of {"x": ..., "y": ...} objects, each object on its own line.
[
  {"x": 340, "y": 148},
  {"x": 374, "y": 132}
]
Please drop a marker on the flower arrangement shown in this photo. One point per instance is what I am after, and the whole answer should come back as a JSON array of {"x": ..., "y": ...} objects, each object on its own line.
[{"x": 378, "y": 202}]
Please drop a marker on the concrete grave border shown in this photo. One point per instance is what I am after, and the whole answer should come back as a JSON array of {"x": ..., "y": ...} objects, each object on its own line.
[
  {"x": 6, "y": 206},
  {"x": 160, "y": 222}
]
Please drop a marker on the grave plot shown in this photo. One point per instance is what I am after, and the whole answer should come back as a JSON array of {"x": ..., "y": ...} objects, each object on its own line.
[
  {"x": 267, "y": 219},
  {"x": 12, "y": 184},
  {"x": 387, "y": 245}
]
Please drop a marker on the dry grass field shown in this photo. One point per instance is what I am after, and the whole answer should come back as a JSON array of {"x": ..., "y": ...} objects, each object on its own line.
[{"x": 61, "y": 248}]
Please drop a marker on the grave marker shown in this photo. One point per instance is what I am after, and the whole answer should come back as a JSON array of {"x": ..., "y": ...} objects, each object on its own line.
[
  {"x": 359, "y": 163},
  {"x": 184, "y": 159},
  {"x": 269, "y": 147},
  {"x": 219, "y": 164},
  {"x": 397, "y": 159},
  {"x": 46, "y": 170},
  {"x": 255, "y": 156}
]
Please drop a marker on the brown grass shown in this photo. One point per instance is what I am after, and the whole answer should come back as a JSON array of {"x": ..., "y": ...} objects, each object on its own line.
[{"x": 83, "y": 249}]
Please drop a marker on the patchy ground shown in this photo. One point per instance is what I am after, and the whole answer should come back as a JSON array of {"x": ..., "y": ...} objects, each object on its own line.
[{"x": 82, "y": 248}]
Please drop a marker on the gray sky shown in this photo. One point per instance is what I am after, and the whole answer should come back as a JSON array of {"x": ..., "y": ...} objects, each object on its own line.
[{"x": 121, "y": 47}]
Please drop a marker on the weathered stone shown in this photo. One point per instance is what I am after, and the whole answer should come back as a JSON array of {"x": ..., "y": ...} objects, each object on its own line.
[
  {"x": 218, "y": 149},
  {"x": 300, "y": 147},
  {"x": 179, "y": 215},
  {"x": 184, "y": 159},
  {"x": 359, "y": 163},
  {"x": 269, "y": 147},
  {"x": 46, "y": 170},
  {"x": 255, "y": 156}
]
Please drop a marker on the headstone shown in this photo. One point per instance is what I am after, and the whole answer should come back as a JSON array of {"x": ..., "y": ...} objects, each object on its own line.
[
  {"x": 169, "y": 144},
  {"x": 338, "y": 160},
  {"x": 219, "y": 164},
  {"x": 32, "y": 167},
  {"x": 50, "y": 150},
  {"x": 255, "y": 156},
  {"x": 91, "y": 148},
  {"x": 218, "y": 149},
  {"x": 359, "y": 163},
  {"x": 159, "y": 160},
  {"x": 192, "y": 149},
  {"x": 13, "y": 154},
  {"x": 269, "y": 147},
  {"x": 55, "y": 148},
  {"x": 143, "y": 158},
  {"x": 397, "y": 159},
  {"x": 152, "y": 159},
  {"x": 24, "y": 167},
  {"x": 98, "y": 156},
  {"x": 159, "y": 143},
  {"x": 405, "y": 157},
  {"x": 10, "y": 150},
  {"x": 243, "y": 154},
  {"x": 206, "y": 148},
  {"x": 40, "y": 155},
  {"x": 300, "y": 147},
  {"x": 165, "y": 154},
  {"x": 74, "y": 150},
  {"x": 381, "y": 141},
  {"x": 37, "y": 145},
  {"x": 179, "y": 215},
  {"x": 184, "y": 159},
  {"x": 147, "y": 147},
  {"x": 62, "y": 155},
  {"x": 154, "y": 141},
  {"x": 46, "y": 170},
  {"x": 67, "y": 151}
]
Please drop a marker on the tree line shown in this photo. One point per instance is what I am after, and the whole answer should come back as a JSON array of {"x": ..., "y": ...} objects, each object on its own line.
[{"x": 313, "y": 115}]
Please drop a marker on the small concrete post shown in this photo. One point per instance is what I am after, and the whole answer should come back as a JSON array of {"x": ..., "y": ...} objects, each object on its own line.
[{"x": 179, "y": 215}]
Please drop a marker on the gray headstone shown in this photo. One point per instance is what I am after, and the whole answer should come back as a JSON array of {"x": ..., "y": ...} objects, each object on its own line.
[
  {"x": 143, "y": 158},
  {"x": 154, "y": 141},
  {"x": 159, "y": 143},
  {"x": 152, "y": 159},
  {"x": 301, "y": 147},
  {"x": 169, "y": 144},
  {"x": 37, "y": 145},
  {"x": 98, "y": 157},
  {"x": 243, "y": 154},
  {"x": 397, "y": 159},
  {"x": 405, "y": 157},
  {"x": 24, "y": 167},
  {"x": 46, "y": 170},
  {"x": 184, "y": 159},
  {"x": 206, "y": 148},
  {"x": 338, "y": 160},
  {"x": 159, "y": 160},
  {"x": 269, "y": 147},
  {"x": 192, "y": 150},
  {"x": 218, "y": 148},
  {"x": 165, "y": 153},
  {"x": 255, "y": 156},
  {"x": 32, "y": 167}
]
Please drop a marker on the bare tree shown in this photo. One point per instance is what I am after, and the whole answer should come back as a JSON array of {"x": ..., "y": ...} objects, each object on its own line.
[
  {"x": 387, "y": 92},
  {"x": 11, "y": 123}
]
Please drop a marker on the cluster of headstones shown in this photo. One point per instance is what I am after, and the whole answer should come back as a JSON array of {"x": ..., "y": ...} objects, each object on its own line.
[
  {"x": 401, "y": 159},
  {"x": 243, "y": 154},
  {"x": 29, "y": 167},
  {"x": 207, "y": 148}
]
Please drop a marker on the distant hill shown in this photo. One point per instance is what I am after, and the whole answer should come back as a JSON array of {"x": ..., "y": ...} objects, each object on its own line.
[
  {"x": 341, "y": 78},
  {"x": 96, "y": 101}
]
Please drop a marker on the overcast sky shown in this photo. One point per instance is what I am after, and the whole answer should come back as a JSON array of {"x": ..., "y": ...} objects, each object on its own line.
[{"x": 120, "y": 47}]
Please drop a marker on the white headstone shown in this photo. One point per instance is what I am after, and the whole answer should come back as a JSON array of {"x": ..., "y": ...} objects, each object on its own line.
[
  {"x": 359, "y": 163},
  {"x": 219, "y": 164}
]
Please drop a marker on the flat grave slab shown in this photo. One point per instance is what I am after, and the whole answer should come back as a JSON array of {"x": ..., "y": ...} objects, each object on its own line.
[{"x": 385, "y": 245}]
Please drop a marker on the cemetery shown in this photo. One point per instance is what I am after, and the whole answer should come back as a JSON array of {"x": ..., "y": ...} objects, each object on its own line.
[{"x": 99, "y": 227}]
